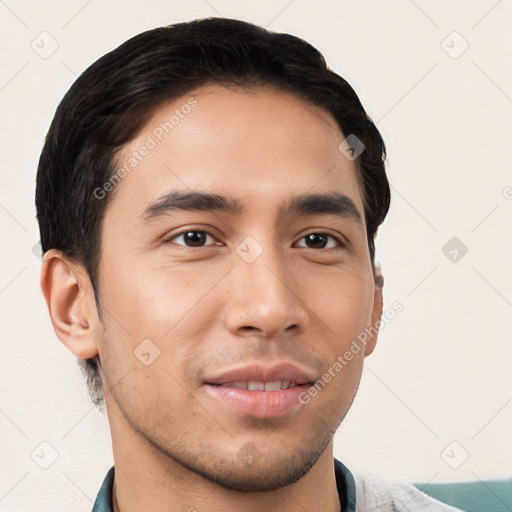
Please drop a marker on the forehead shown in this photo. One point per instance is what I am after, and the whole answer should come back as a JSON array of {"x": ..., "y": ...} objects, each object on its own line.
[{"x": 247, "y": 143}]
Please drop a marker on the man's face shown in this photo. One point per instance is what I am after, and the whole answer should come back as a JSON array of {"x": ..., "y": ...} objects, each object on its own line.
[{"x": 234, "y": 298}]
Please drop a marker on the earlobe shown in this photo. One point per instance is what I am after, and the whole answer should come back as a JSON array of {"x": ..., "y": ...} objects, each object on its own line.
[
  {"x": 376, "y": 313},
  {"x": 65, "y": 286}
]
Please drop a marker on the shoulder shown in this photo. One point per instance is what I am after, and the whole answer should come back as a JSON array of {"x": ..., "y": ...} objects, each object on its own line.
[{"x": 374, "y": 494}]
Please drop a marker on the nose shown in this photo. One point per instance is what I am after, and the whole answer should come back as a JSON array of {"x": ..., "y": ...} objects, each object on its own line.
[{"x": 265, "y": 299}]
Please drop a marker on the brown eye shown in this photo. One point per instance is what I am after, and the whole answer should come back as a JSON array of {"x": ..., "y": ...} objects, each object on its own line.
[
  {"x": 320, "y": 241},
  {"x": 192, "y": 238}
]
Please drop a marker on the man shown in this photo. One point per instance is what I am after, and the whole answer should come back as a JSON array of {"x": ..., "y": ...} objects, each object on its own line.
[{"x": 208, "y": 197}]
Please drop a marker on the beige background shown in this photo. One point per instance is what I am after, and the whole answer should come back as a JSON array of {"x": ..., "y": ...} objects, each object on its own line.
[{"x": 441, "y": 373}]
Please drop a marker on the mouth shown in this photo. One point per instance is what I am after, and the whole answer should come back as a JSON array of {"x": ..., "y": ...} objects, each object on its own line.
[
  {"x": 275, "y": 385},
  {"x": 261, "y": 391}
]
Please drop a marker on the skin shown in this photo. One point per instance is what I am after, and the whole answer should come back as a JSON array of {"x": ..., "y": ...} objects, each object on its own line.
[{"x": 175, "y": 447}]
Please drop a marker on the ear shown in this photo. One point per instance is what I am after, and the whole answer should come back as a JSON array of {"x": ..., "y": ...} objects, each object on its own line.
[
  {"x": 69, "y": 295},
  {"x": 376, "y": 312}
]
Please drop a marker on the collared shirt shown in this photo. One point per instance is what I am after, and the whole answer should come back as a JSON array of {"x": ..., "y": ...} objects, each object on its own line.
[{"x": 373, "y": 494}]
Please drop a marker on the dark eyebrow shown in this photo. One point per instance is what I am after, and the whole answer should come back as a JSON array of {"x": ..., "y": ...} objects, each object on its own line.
[
  {"x": 332, "y": 203},
  {"x": 176, "y": 200},
  {"x": 326, "y": 203}
]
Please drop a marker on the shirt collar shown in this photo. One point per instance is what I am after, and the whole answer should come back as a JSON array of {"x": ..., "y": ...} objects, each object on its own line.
[
  {"x": 103, "y": 501},
  {"x": 346, "y": 487},
  {"x": 344, "y": 482}
]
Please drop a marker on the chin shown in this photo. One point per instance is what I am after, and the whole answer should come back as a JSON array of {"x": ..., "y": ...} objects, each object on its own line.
[{"x": 251, "y": 470}]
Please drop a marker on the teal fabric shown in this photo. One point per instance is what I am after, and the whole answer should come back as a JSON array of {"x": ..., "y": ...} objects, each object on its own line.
[
  {"x": 103, "y": 501},
  {"x": 344, "y": 481},
  {"x": 346, "y": 486},
  {"x": 488, "y": 496}
]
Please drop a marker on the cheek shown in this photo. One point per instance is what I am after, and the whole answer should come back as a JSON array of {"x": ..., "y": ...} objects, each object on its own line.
[
  {"x": 161, "y": 311},
  {"x": 344, "y": 303},
  {"x": 152, "y": 301}
]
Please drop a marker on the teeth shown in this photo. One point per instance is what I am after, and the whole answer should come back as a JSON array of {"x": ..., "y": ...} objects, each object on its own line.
[
  {"x": 273, "y": 386},
  {"x": 256, "y": 386}
]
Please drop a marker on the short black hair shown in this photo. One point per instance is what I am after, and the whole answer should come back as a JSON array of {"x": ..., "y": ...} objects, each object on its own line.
[{"x": 111, "y": 101}]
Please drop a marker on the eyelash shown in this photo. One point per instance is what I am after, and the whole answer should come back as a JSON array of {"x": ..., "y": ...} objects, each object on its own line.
[{"x": 341, "y": 244}]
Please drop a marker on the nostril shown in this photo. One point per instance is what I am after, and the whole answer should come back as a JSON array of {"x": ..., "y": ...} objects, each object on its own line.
[{"x": 249, "y": 328}]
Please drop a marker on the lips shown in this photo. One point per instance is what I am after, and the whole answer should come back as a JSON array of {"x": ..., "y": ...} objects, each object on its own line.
[
  {"x": 257, "y": 373},
  {"x": 275, "y": 385},
  {"x": 261, "y": 391}
]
